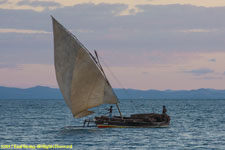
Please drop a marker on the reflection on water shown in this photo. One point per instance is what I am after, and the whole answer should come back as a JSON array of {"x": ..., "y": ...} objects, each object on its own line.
[
  {"x": 71, "y": 130},
  {"x": 195, "y": 124}
]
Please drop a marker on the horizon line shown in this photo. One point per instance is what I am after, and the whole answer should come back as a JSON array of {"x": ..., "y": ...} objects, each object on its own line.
[{"x": 118, "y": 88}]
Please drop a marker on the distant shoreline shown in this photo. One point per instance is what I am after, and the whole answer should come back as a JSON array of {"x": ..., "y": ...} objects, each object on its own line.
[
  {"x": 14, "y": 99},
  {"x": 41, "y": 92}
]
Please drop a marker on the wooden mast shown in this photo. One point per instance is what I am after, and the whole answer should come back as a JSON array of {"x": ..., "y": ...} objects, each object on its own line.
[
  {"x": 119, "y": 110},
  {"x": 117, "y": 106}
]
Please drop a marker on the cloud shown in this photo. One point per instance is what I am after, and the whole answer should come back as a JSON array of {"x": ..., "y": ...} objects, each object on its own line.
[
  {"x": 3, "y": 1},
  {"x": 208, "y": 78},
  {"x": 145, "y": 73},
  {"x": 212, "y": 60},
  {"x": 155, "y": 29},
  {"x": 197, "y": 30},
  {"x": 37, "y": 3},
  {"x": 23, "y": 31},
  {"x": 199, "y": 72}
]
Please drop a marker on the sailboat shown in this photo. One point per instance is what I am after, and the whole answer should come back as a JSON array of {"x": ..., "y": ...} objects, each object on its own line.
[{"x": 84, "y": 84}]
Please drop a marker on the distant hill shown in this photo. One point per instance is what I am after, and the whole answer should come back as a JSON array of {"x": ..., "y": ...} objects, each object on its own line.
[
  {"x": 41, "y": 92},
  {"x": 38, "y": 92},
  {"x": 172, "y": 94}
]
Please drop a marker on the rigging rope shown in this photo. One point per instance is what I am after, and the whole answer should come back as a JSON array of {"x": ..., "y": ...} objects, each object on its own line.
[{"x": 129, "y": 96}]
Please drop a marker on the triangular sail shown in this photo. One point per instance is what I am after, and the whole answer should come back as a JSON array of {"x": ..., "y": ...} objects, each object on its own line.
[{"x": 80, "y": 80}]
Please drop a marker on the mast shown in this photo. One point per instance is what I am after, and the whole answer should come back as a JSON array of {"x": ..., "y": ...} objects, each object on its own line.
[
  {"x": 117, "y": 106},
  {"x": 99, "y": 64}
]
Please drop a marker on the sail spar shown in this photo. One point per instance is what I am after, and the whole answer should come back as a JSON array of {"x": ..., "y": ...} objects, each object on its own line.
[{"x": 82, "y": 83}]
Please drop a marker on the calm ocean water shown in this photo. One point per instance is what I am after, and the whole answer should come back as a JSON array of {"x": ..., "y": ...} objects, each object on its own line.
[{"x": 195, "y": 124}]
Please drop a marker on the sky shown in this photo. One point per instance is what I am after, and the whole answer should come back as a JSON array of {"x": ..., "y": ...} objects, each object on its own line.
[{"x": 146, "y": 44}]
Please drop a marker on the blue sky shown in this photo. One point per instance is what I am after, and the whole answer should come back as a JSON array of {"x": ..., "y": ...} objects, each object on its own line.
[{"x": 147, "y": 44}]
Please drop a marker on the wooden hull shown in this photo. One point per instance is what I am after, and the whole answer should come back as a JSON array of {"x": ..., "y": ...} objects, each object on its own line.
[
  {"x": 132, "y": 126},
  {"x": 134, "y": 121}
]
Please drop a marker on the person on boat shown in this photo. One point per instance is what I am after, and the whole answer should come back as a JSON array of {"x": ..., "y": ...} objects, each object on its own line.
[
  {"x": 110, "y": 112},
  {"x": 164, "y": 110},
  {"x": 164, "y": 116}
]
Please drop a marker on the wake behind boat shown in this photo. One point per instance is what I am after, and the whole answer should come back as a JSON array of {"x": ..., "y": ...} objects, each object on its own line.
[{"x": 84, "y": 85}]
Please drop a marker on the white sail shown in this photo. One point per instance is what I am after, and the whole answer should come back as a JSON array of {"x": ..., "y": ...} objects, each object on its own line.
[{"x": 82, "y": 84}]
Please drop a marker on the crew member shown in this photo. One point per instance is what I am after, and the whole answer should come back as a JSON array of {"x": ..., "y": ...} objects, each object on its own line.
[
  {"x": 164, "y": 110},
  {"x": 110, "y": 112},
  {"x": 164, "y": 116}
]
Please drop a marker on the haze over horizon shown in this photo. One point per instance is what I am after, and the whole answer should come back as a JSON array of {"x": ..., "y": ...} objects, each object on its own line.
[{"x": 147, "y": 44}]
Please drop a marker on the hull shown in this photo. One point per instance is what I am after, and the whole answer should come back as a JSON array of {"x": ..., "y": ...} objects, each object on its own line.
[
  {"x": 134, "y": 121},
  {"x": 133, "y": 126}
]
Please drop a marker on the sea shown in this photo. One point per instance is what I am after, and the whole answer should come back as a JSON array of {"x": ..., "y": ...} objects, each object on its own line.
[{"x": 49, "y": 124}]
